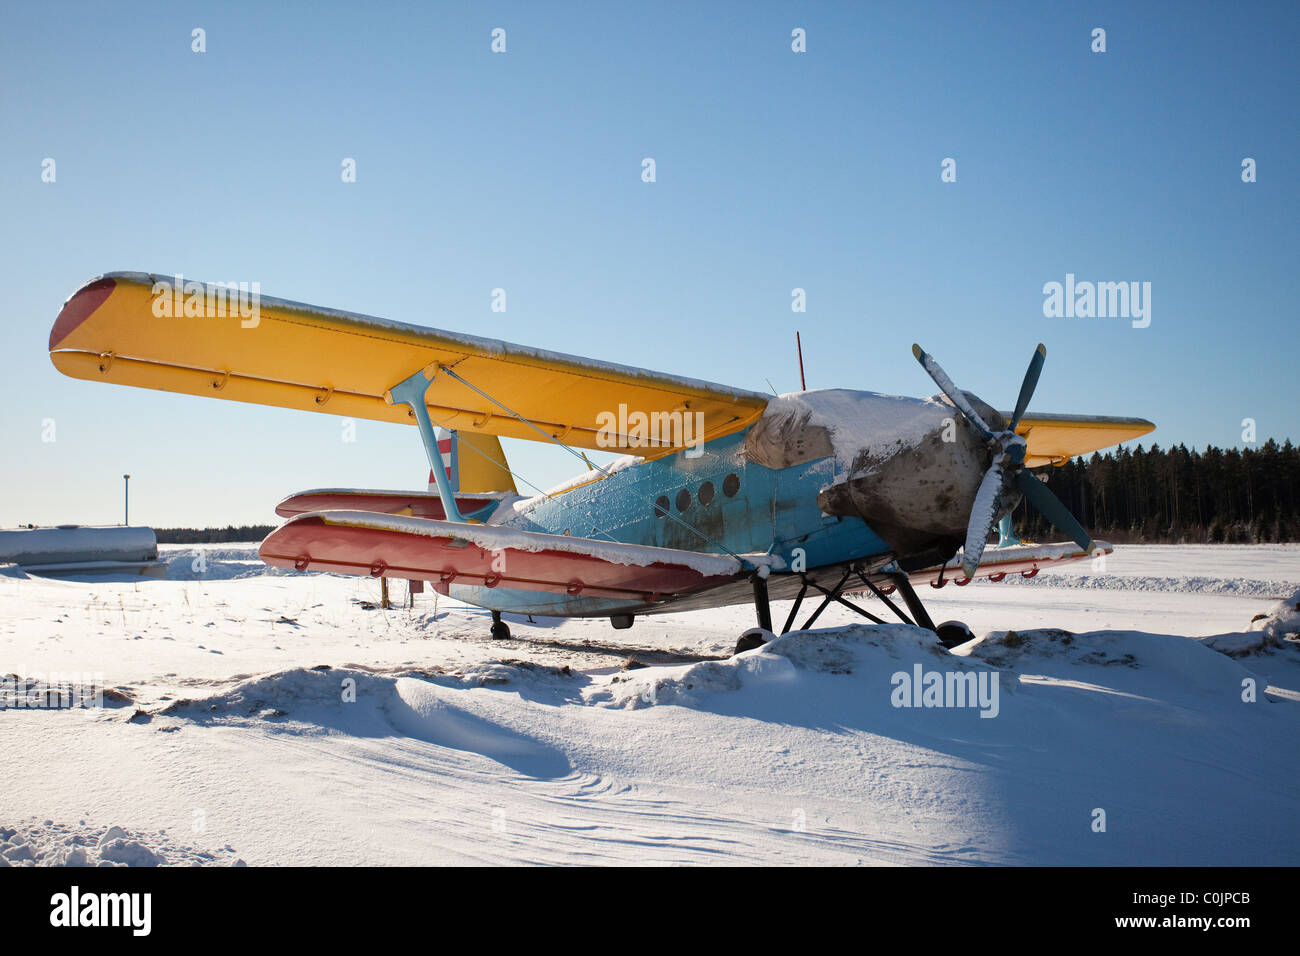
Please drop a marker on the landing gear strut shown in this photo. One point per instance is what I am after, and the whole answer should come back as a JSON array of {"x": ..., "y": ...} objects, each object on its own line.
[
  {"x": 836, "y": 594},
  {"x": 950, "y": 633},
  {"x": 761, "y": 604},
  {"x": 500, "y": 630},
  {"x": 763, "y": 607}
]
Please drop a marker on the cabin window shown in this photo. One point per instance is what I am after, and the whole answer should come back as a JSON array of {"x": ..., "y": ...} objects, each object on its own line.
[{"x": 706, "y": 492}]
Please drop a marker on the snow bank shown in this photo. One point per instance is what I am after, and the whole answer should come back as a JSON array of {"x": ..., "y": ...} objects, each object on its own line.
[
  {"x": 793, "y": 664},
  {"x": 1277, "y": 630},
  {"x": 48, "y": 843},
  {"x": 420, "y": 704},
  {"x": 1155, "y": 666},
  {"x": 325, "y": 696},
  {"x": 428, "y": 712},
  {"x": 214, "y": 563},
  {"x": 1282, "y": 622},
  {"x": 1197, "y": 584}
]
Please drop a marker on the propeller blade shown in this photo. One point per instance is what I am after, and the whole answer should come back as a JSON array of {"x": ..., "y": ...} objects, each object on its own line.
[
  {"x": 1030, "y": 383},
  {"x": 982, "y": 519},
  {"x": 946, "y": 386},
  {"x": 1053, "y": 510}
]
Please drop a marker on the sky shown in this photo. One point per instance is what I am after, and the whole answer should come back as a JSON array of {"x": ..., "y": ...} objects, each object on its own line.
[{"x": 522, "y": 170}]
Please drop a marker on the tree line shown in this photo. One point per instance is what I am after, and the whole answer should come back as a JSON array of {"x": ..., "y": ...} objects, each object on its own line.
[
  {"x": 1127, "y": 496},
  {"x": 227, "y": 535},
  {"x": 1156, "y": 495}
]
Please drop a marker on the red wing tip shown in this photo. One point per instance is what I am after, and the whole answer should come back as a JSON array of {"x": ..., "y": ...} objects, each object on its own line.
[{"x": 79, "y": 307}]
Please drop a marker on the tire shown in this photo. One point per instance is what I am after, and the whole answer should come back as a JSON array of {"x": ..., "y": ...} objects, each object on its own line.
[
  {"x": 754, "y": 637},
  {"x": 952, "y": 633}
]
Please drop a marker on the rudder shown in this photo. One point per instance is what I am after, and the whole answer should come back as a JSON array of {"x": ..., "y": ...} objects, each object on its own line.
[{"x": 474, "y": 463}]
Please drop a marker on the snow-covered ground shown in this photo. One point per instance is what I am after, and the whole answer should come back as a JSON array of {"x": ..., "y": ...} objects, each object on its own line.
[{"x": 281, "y": 718}]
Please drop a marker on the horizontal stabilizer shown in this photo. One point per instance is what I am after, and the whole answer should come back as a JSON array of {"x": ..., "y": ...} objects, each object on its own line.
[{"x": 418, "y": 504}]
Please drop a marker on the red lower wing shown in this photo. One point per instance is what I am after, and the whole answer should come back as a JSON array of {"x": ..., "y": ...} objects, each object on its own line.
[{"x": 444, "y": 553}]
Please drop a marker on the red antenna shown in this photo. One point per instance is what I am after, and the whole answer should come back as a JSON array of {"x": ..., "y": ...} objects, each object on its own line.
[{"x": 803, "y": 385}]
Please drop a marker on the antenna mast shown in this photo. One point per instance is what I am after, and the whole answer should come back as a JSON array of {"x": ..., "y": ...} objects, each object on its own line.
[{"x": 803, "y": 385}]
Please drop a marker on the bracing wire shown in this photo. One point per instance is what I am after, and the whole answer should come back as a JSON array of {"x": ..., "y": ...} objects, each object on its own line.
[{"x": 583, "y": 458}]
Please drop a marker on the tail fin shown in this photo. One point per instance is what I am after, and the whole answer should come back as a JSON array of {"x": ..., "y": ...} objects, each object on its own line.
[{"x": 474, "y": 463}]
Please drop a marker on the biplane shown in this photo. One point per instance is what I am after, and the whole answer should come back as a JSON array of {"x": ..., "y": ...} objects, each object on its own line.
[{"x": 722, "y": 496}]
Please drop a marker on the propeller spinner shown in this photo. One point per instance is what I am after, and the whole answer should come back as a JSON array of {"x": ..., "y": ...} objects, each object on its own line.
[{"x": 1007, "y": 472}]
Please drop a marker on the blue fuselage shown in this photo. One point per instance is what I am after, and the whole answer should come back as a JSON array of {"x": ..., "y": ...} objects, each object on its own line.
[{"x": 714, "y": 502}]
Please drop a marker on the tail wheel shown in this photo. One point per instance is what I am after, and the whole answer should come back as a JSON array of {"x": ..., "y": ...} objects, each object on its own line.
[{"x": 500, "y": 630}]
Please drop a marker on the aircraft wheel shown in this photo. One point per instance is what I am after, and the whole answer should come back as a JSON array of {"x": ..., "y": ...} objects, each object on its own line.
[
  {"x": 952, "y": 633},
  {"x": 754, "y": 637},
  {"x": 500, "y": 630}
]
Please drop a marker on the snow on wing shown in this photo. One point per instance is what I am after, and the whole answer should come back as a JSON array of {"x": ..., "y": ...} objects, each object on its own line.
[{"x": 442, "y": 552}]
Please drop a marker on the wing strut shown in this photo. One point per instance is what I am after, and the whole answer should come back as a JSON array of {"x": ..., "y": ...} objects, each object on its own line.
[{"x": 411, "y": 392}]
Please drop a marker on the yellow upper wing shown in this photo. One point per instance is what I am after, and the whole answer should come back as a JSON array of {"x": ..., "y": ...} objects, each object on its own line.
[
  {"x": 1055, "y": 439},
  {"x": 132, "y": 328}
]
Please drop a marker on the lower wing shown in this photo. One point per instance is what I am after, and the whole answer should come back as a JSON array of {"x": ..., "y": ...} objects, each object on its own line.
[
  {"x": 1023, "y": 559},
  {"x": 443, "y": 553}
]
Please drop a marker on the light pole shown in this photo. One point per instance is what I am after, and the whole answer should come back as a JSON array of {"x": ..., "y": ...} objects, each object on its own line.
[{"x": 126, "y": 504}]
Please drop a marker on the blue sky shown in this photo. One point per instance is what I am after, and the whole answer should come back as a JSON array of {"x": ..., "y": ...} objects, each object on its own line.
[{"x": 522, "y": 170}]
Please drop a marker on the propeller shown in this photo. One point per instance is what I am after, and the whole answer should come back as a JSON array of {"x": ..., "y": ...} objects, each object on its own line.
[{"x": 1008, "y": 468}]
